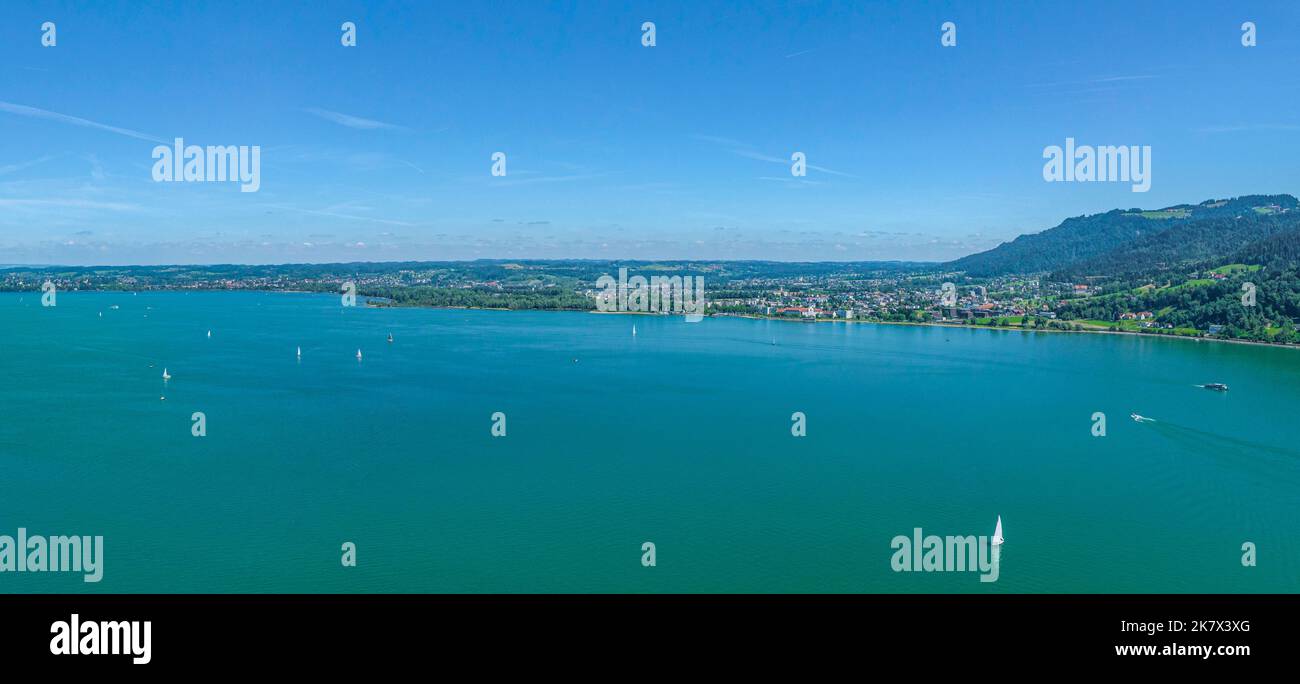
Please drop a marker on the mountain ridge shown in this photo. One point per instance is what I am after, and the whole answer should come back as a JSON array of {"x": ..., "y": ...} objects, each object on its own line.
[{"x": 1125, "y": 241}]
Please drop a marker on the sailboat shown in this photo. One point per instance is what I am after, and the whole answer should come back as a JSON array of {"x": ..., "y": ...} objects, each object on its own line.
[
  {"x": 390, "y": 338},
  {"x": 300, "y": 352},
  {"x": 634, "y": 331},
  {"x": 997, "y": 533},
  {"x": 166, "y": 375},
  {"x": 358, "y": 354},
  {"x": 209, "y": 334}
]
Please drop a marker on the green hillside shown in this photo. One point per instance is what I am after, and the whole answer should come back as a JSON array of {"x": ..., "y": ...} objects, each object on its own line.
[
  {"x": 1133, "y": 240},
  {"x": 1185, "y": 267}
]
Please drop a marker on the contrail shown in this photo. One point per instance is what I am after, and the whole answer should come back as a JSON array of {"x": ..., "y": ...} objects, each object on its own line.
[{"x": 24, "y": 110}]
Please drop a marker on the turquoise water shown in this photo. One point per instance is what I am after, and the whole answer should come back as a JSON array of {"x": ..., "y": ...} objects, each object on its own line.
[{"x": 679, "y": 436}]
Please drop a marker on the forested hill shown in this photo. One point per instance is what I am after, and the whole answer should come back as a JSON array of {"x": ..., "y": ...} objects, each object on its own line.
[
  {"x": 1127, "y": 240},
  {"x": 1189, "y": 244}
]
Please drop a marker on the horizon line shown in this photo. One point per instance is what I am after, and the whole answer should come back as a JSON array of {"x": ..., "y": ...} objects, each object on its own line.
[{"x": 492, "y": 259}]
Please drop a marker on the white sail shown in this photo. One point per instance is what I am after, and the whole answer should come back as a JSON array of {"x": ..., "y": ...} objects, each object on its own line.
[
  {"x": 634, "y": 331},
  {"x": 358, "y": 354},
  {"x": 166, "y": 375},
  {"x": 300, "y": 352},
  {"x": 997, "y": 532}
]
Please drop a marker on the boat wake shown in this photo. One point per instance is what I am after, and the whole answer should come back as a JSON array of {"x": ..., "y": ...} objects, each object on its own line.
[
  {"x": 1268, "y": 463},
  {"x": 1214, "y": 440}
]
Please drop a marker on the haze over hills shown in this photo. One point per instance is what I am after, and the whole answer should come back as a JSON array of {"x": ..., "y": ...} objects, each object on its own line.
[{"x": 1117, "y": 244}]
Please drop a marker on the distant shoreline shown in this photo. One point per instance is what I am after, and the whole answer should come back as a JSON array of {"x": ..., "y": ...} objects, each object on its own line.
[
  {"x": 1017, "y": 329},
  {"x": 863, "y": 320},
  {"x": 930, "y": 324}
]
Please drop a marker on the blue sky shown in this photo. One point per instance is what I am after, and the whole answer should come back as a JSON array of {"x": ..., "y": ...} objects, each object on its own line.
[{"x": 614, "y": 150}]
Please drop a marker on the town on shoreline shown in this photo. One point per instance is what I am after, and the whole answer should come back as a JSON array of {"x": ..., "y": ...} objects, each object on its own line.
[
  {"x": 869, "y": 292},
  {"x": 1223, "y": 269}
]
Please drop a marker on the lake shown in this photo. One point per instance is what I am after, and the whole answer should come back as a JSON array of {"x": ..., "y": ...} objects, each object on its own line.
[{"x": 680, "y": 435}]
